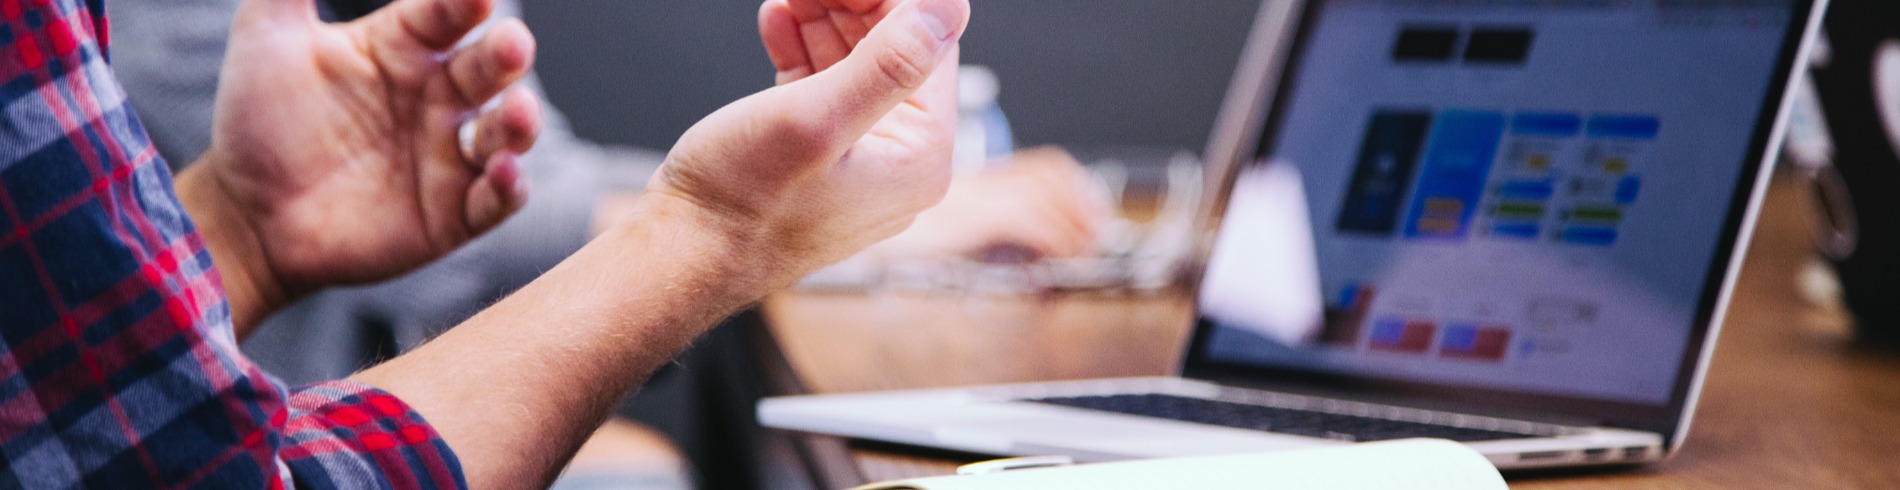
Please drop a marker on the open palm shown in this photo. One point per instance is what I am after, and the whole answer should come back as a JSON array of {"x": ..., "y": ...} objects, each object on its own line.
[{"x": 340, "y": 141}]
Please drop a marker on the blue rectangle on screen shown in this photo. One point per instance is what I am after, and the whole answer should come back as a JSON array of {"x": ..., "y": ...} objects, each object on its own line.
[
  {"x": 1546, "y": 124},
  {"x": 1388, "y": 331},
  {"x": 1452, "y": 179},
  {"x": 1626, "y": 127},
  {"x": 1582, "y": 235},
  {"x": 1516, "y": 230},
  {"x": 1349, "y": 296},
  {"x": 1531, "y": 190},
  {"x": 1460, "y": 337},
  {"x": 1627, "y": 189}
]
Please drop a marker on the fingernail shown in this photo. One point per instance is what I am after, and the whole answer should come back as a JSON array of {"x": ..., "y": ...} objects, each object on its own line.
[{"x": 938, "y": 16}]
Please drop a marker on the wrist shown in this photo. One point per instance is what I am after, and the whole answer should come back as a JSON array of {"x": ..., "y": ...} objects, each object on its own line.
[
  {"x": 743, "y": 257},
  {"x": 237, "y": 252}
]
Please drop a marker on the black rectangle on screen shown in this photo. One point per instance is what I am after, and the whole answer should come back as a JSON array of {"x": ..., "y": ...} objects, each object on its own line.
[
  {"x": 1419, "y": 43},
  {"x": 1504, "y": 45}
]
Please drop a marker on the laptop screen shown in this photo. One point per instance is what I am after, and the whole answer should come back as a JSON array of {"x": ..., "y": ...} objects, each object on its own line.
[{"x": 1520, "y": 197}]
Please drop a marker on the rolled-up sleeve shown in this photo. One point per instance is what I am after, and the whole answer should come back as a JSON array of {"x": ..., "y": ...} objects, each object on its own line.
[
  {"x": 349, "y": 435},
  {"x": 118, "y": 364}
]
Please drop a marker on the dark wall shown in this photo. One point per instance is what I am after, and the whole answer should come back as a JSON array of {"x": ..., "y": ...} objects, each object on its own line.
[{"x": 1087, "y": 73}]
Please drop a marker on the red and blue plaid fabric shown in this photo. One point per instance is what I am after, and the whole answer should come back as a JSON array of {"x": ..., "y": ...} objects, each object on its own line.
[{"x": 118, "y": 366}]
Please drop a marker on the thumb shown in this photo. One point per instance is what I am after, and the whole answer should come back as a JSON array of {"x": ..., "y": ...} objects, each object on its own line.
[{"x": 892, "y": 62}]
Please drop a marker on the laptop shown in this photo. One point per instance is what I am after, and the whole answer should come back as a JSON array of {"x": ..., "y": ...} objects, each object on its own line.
[{"x": 1512, "y": 224}]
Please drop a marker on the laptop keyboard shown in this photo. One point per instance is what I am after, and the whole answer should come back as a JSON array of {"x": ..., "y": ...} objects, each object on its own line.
[{"x": 1273, "y": 419}]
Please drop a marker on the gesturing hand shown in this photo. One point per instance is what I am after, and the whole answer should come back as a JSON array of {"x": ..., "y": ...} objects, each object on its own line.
[
  {"x": 335, "y": 145},
  {"x": 853, "y": 142}
]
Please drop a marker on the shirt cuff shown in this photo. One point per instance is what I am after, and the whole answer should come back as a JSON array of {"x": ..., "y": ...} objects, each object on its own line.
[{"x": 347, "y": 435}]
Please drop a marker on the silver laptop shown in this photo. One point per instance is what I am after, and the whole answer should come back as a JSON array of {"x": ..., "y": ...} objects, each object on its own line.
[{"x": 1514, "y": 224}]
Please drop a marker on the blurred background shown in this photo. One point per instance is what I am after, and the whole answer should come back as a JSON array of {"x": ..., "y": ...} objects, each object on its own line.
[
  {"x": 1125, "y": 85},
  {"x": 1136, "y": 81}
]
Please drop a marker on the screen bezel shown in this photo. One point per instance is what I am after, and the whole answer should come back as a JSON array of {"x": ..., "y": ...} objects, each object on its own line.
[{"x": 1259, "y": 134}]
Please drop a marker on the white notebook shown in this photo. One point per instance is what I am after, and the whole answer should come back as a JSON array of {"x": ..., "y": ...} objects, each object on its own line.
[{"x": 1418, "y": 464}]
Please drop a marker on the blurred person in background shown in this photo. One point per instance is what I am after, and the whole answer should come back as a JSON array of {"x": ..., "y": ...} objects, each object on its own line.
[{"x": 169, "y": 53}]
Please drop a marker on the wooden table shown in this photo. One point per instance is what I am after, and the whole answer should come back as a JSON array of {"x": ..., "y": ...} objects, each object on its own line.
[{"x": 1789, "y": 402}]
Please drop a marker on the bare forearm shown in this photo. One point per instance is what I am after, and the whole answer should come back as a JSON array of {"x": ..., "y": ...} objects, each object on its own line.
[
  {"x": 516, "y": 389},
  {"x": 756, "y": 194}
]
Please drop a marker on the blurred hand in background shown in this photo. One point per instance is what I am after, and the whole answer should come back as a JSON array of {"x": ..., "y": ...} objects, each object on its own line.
[{"x": 1042, "y": 203}]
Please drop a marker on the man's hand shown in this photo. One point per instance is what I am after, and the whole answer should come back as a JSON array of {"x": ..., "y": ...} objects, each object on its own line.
[
  {"x": 840, "y": 155},
  {"x": 335, "y": 155},
  {"x": 853, "y": 142}
]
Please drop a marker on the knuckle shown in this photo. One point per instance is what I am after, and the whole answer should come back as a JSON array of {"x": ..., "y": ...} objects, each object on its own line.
[
  {"x": 446, "y": 13},
  {"x": 906, "y": 63}
]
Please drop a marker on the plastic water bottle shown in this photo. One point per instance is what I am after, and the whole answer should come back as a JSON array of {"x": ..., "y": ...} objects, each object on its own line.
[{"x": 983, "y": 133}]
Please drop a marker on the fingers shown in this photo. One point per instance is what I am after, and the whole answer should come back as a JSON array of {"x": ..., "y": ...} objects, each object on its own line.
[
  {"x": 854, "y": 18},
  {"x": 1058, "y": 214},
  {"x": 502, "y": 57},
  {"x": 1044, "y": 231},
  {"x": 807, "y": 36},
  {"x": 511, "y": 127},
  {"x": 1064, "y": 178},
  {"x": 274, "y": 12},
  {"x": 496, "y": 194},
  {"x": 851, "y": 26},
  {"x": 899, "y": 57},
  {"x": 1049, "y": 209},
  {"x": 865, "y": 6},
  {"x": 829, "y": 29},
  {"x": 824, "y": 45},
  {"x": 1081, "y": 230},
  {"x": 1069, "y": 187},
  {"x": 778, "y": 29},
  {"x": 1067, "y": 211},
  {"x": 438, "y": 24},
  {"x": 502, "y": 135}
]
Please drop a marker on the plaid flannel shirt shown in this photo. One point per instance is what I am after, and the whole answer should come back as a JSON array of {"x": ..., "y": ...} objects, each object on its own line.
[{"x": 118, "y": 366}]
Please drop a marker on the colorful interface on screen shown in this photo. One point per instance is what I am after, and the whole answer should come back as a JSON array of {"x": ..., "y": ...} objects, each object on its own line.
[{"x": 1521, "y": 196}]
